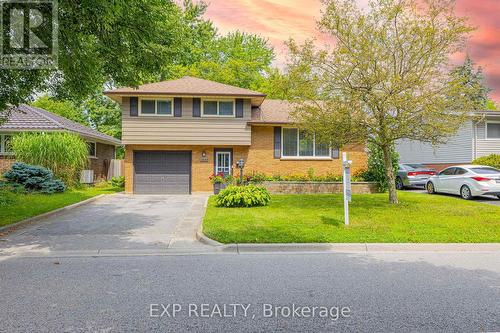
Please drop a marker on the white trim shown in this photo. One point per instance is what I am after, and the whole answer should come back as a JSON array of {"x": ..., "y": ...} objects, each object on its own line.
[
  {"x": 486, "y": 130},
  {"x": 2, "y": 146},
  {"x": 203, "y": 100},
  {"x": 223, "y": 152},
  {"x": 156, "y": 100},
  {"x": 95, "y": 149},
  {"x": 298, "y": 156}
]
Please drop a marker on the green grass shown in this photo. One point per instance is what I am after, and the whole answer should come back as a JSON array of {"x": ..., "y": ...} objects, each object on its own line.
[
  {"x": 22, "y": 206},
  {"x": 319, "y": 218}
]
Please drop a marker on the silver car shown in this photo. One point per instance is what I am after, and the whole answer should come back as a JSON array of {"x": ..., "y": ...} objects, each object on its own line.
[
  {"x": 467, "y": 181},
  {"x": 413, "y": 175}
]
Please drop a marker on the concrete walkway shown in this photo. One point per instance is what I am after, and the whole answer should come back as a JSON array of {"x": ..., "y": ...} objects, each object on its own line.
[{"x": 114, "y": 224}]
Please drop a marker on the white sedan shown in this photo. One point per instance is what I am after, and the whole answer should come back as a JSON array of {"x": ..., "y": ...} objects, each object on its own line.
[{"x": 467, "y": 181}]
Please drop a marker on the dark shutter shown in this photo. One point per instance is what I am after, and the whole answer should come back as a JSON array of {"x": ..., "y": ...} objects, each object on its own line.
[
  {"x": 196, "y": 107},
  {"x": 134, "y": 110},
  {"x": 335, "y": 153},
  {"x": 239, "y": 108},
  {"x": 177, "y": 107},
  {"x": 277, "y": 142}
]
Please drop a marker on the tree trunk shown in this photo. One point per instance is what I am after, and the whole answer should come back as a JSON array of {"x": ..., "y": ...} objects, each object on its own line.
[{"x": 389, "y": 171}]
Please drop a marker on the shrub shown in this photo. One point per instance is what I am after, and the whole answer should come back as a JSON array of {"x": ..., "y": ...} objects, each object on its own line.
[
  {"x": 65, "y": 154},
  {"x": 492, "y": 160},
  {"x": 243, "y": 196},
  {"x": 34, "y": 178},
  {"x": 118, "y": 181},
  {"x": 376, "y": 169}
]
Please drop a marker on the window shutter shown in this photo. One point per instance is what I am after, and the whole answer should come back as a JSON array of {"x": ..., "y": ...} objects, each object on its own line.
[
  {"x": 196, "y": 107},
  {"x": 134, "y": 110},
  {"x": 177, "y": 107},
  {"x": 239, "y": 108},
  {"x": 335, "y": 153},
  {"x": 277, "y": 142}
]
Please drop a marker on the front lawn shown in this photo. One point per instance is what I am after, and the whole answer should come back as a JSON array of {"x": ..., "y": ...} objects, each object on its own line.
[
  {"x": 419, "y": 218},
  {"x": 23, "y": 206}
]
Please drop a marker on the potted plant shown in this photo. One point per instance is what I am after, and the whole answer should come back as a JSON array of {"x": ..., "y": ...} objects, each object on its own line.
[{"x": 218, "y": 181}]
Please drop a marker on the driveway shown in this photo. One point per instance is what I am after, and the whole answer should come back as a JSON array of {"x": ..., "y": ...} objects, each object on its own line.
[
  {"x": 114, "y": 224},
  {"x": 487, "y": 199}
]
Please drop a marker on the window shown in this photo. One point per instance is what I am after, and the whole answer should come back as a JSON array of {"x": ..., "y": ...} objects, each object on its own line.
[
  {"x": 156, "y": 107},
  {"x": 447, "y": 172},
  {"x": 221, "y": 108},
  {"x": 5, "y": 145},
  {"x": 92, "y": 147},
  {"x": 486, "y": 171},
  {"x": 297, "y": 143},
  {"x": 492, "y": 130},
  {"x": 460, "y": 171}
]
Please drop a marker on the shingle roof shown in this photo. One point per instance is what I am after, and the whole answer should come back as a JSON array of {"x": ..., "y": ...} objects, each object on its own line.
[
  {"x": 272, "y": 111},
  {"x": 187, "y": 86},
  {"x": 29, "y": 118}
]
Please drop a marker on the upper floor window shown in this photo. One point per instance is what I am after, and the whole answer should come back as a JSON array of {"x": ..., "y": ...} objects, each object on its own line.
[
  {"x": 5, "y": 144},
  {"x": 296, "y": 143},
  {"x": 492, "y": 130},
  {"x": 156, "y": 107},
  {"x": 218, "y": 107},
  {"x": 92, "y": 147}
]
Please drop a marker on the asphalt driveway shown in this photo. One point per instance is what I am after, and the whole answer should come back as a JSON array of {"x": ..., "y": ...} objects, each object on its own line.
[{"x": 114, "y": 224}]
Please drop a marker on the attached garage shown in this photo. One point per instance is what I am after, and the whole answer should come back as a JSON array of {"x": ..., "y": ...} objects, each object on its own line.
[{"x": 162, "y": 172}]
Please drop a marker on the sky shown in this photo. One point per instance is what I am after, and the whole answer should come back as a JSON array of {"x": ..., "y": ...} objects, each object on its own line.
[{"x": 278, "y": 20}]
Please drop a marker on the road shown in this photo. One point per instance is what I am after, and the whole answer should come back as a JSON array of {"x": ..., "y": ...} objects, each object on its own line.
[{"x": 378, "y": 292}]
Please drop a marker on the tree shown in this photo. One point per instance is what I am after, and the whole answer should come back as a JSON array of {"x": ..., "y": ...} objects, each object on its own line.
[
  {"x": 123, "y": 42},
  {"x": 63, "y": 108},
  {"x": 473, "y": 78},
  {"x": 385, "y": 78}
]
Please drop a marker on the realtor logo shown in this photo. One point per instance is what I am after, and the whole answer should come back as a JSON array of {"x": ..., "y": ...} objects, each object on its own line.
[{"x": 28, "y": 34}]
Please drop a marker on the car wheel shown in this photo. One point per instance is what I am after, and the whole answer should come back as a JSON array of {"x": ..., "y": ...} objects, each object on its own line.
[
  {"x": 399, "y": 183},
  {"x": 465, "y": 192},
  {"x": 430, "y": 188}
]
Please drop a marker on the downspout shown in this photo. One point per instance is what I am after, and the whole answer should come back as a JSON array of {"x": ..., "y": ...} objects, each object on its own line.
[{"x": 474, "y": 139}]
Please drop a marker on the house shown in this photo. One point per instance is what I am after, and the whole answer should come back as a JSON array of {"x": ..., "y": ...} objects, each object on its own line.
[
  {"x": 476, "y": 138},
  {"x": 178, "y": 133},
  {"x": 31, "y": 119}
]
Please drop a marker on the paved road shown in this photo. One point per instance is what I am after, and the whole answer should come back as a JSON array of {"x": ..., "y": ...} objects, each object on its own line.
[
  {"x": 487, "y": 199},
  {"x": 383, "y": 292},
  {"x": 113, "y": 224}
]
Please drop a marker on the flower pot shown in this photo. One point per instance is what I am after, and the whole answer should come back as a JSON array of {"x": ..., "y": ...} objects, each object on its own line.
[{"x": 219, "y": 187}]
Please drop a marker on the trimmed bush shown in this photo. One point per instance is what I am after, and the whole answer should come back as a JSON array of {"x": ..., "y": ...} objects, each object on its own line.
[
  {"x": 65, "y": 154},
  {"x": 492, "y": 160},
  {"x": 243, "y": 196},
  {"x": 34, "y": 178}
]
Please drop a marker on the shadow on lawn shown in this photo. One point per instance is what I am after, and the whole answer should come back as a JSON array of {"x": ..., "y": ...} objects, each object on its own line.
[{"x": 332, "y": 221}]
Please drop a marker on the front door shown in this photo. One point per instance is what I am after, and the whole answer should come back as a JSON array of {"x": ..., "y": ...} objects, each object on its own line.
[{"x": 223, "y": 162}]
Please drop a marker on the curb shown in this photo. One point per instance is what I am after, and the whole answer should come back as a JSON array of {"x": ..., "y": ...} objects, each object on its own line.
[
  {"x": 350, "y": 247},
  {"x": 30, "y": 220}
]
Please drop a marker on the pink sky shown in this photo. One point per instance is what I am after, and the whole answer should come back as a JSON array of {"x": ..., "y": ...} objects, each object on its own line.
[{"x": 279, "y": 20}]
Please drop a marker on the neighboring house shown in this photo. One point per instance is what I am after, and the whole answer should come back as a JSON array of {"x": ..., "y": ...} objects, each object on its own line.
[
  {"x": 31, "y": 119},
  {"x": 178, "y": 133},
  {"x": 474, "y": 139}
]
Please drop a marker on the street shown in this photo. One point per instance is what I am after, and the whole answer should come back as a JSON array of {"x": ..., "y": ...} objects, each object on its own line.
[{"x": 420, "y": 291}]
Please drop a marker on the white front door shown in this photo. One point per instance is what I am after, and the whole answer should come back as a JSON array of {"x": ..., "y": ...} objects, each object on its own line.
[{"x": 223, "y": 162}]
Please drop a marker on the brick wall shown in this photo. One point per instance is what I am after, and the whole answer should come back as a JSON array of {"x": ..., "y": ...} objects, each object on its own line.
[
  {"x": 259, "y": 157},
  {"x": 5, "y": 163},
  {"x": 100, "y": 164},
  {"x": 318, "y": 187}
]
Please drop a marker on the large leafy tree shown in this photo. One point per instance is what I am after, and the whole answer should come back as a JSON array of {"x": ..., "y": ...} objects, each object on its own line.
[
  {"x": 474, "y": 78},
  {"x": 122, "y": 42},
  {"x": 386, "y": 77}
]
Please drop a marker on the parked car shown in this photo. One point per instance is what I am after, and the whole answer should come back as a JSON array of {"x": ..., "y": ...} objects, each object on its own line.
[
  {"x": 467, "y": 181},
  {"x": 413, "y": 175}
]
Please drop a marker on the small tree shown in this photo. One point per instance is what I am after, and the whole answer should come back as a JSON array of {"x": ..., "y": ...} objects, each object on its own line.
[
  {"x": 386, "y": 78},
  {"x": 64, "y": 154}
]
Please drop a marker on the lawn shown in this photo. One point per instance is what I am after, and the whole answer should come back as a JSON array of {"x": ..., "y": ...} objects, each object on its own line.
[
  {"x": 418, "y": 218},
  {"x": 23, "y": 206}
]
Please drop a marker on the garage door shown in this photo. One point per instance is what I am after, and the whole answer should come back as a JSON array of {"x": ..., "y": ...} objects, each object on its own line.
[{"x": 162, "y": 172}]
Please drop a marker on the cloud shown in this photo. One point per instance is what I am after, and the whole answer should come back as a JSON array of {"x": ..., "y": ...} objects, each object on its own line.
[{"x": 279, "y": 20}]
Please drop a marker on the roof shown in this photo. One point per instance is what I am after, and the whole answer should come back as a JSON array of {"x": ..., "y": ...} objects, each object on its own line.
[
  {"x": 187, "y": 86},
  {"x": 272, "y": 111},
  {"x": 29, "y": 118},
  {"x": 488, "y": 112}
]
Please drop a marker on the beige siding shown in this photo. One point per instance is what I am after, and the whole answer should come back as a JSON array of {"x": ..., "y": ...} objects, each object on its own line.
[{"x": 185, "y": 129}]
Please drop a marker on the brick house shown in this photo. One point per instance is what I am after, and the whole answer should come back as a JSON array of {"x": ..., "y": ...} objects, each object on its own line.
[
  {"x": 177, "y": 133},
  {"x": 31, "y": 119}
]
